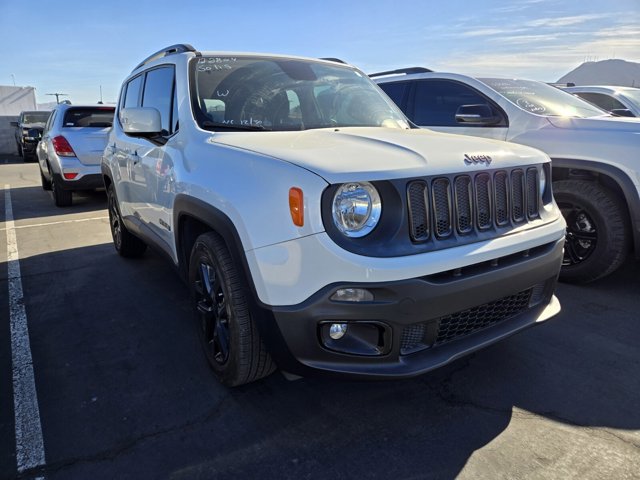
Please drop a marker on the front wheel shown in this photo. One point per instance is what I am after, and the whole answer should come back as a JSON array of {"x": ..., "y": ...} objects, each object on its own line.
[
  {"x": 227, "y": 331},
  {"x": 598, "y": 236}
]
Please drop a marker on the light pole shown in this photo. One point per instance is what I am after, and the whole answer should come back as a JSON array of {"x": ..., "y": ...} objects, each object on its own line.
[{"x": 58, "y": 95}]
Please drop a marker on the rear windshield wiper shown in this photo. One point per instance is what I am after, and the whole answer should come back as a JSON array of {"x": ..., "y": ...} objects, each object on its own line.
[{"x": 231, "y": 126}]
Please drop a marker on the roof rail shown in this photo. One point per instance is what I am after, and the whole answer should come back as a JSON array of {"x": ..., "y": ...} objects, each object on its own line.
[
  {"x": 332, "y": 59},
  {"x": 402, "y": 70},
  {"x": 178, "y": 48}
]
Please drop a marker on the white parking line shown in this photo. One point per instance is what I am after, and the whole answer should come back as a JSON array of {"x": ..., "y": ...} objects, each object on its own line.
[
  {"x": 29, "y": 442},
  {"x": 90, "y": 219}
]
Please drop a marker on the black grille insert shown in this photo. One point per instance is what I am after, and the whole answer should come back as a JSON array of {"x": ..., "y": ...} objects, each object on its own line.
[
  {"x": 443, "y": 207},
  {"x": 451, "y": 327}
]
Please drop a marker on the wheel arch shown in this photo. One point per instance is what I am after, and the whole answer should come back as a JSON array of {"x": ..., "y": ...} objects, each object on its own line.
[
  {"x": 609, "y": 176},
  {"x": 191, "y": 218}
]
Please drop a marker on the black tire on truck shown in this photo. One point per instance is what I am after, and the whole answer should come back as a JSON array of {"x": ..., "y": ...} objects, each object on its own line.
[
  {"x": 598, "y": 235},
  {"x": 226, "y": 328}
]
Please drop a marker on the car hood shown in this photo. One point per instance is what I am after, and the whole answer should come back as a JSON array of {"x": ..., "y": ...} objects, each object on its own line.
[
  {"x": 38, "y": 125},
  {"x": 623, "y": 124},
  {"x": 358, "y": 154}
]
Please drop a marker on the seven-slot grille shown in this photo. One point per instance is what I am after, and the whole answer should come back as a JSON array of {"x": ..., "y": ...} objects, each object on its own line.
[{"x": 442, "y": 206}]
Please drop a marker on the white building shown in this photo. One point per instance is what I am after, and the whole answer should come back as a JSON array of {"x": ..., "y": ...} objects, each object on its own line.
[{"x": 13, "y": 100}]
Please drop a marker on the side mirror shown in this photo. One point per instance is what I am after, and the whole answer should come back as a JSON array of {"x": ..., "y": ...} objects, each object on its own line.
[
  {"x": 13, "y": 124},
  {"x": 141, "y": 121},
  {"x": 622, "y": 112},
  {"x": 34, "y": 134},
  {"x": 481, "y": 114}
]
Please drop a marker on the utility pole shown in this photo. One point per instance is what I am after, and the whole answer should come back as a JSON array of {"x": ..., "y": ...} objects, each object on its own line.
[
  {"x": 100, "y": 102},
  {"x": 58, "y": 95},
  {"x": 13, "y": 77}
]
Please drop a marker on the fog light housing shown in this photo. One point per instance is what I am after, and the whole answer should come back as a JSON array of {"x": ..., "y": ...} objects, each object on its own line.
[
  {"x": 352, "y": 295},
  {"x": 366, "y": 338},
  {"x": 337, "y": 330}
]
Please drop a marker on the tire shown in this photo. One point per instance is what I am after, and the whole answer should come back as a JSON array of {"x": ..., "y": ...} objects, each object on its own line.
[
  {"x": 125, "y": 242},
  {"x": 227, "y": 332},
  {"x": 61, "y": 198},
  {"x": 598, "y": 234},
  {"x": 46, "y": 184}
]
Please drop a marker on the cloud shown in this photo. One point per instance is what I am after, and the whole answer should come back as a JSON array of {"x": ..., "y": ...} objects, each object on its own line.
[{"x": 564, "y": 21}]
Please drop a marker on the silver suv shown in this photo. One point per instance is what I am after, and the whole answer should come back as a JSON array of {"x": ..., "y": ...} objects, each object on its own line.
[{"x": 71, "y": 148}]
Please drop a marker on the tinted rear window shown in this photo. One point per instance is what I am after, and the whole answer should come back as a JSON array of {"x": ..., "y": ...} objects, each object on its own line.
[{"x": 98, "y": 117}]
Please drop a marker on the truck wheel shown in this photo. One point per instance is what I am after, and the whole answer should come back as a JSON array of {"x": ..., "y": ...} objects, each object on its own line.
[
  {"x": 125, "y": 242},
  {"x": 598, "y": 237},
  {"x": 62, "y": 198},
  {"x": 46, "y": 184},
  {"x": 227, "y": 331}
]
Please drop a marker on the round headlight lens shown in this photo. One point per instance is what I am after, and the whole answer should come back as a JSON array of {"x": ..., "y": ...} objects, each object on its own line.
[
  {"x": 543, "y": 181},
  {"x": 356, "y": 209}
]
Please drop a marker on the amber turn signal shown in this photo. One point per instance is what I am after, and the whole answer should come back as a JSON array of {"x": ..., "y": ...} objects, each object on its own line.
[{"x": 296, "y": 206}]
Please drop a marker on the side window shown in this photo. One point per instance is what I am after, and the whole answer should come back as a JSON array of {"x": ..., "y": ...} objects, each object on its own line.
[
  {"x": 131, "y": 94},
  {"x": 47, "y": 127},
  {"x": 158, "y": 93},
  {"x": 436, "y": 102},
  {"x": 175, "y": 124},
  {"x": 602, "y": 100},
  {"x": 396, "y": 91}
]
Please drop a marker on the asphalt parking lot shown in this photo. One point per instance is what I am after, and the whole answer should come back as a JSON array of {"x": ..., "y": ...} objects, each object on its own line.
[{"x": 123, "y": 390}]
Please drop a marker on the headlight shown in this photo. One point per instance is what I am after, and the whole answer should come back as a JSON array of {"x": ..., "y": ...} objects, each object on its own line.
[
  {"x": 356, "y": 209},
  {"x": 543, "y": 181}
]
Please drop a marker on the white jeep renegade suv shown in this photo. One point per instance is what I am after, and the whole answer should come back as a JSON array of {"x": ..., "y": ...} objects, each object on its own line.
[{"x": 316, "y": 229}]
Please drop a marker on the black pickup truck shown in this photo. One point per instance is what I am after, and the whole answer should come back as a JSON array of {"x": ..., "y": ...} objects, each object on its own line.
[{"x": 29, "y": 120}]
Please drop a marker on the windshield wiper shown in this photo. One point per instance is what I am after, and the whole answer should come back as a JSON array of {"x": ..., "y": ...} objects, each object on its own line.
[{"x": 231, "y": 126}]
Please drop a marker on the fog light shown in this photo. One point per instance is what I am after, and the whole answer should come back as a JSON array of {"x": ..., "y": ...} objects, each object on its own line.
[
  {"x": 337, "y": 330},
  {"x": 352, "y": 295}
]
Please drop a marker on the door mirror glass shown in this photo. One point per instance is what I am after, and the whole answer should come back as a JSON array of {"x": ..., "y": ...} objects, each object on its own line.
[{"x": 480, "y": 114}]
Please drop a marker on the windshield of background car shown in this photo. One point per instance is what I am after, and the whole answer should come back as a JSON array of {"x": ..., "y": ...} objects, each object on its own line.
[
  {"x": 542, "y": 99},
  {"x": 98, "y": 117},
  {"x": 36, "y": 117},
  {"x": 263, "y": 93}
]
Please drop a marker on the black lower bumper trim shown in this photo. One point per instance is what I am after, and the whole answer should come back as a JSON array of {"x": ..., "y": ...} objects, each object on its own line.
[{"x": 518, "y": 294}]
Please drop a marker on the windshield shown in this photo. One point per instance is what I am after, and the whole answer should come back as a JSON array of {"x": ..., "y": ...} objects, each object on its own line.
[
  {"x": 542, "y": 99},
  {"x": 261, "y": 93},
  {"x": 35, "y": 117}
]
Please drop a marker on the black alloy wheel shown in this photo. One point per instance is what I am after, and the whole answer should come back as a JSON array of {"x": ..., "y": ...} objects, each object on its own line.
[
  {"x": 125, "y": 243},
  {"x": 213, "y": 312},
  {"x": 225, "y": 323},
  {"x": 582, "y": 236}
]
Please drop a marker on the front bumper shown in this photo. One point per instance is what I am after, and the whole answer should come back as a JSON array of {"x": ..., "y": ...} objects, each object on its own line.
[{"x": 503, "y": 297}]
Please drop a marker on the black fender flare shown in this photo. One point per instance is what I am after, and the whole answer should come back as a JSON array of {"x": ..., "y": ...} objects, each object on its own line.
[
  {"x": 216, "y": 220},
  {"x": 630, "y": 192}
]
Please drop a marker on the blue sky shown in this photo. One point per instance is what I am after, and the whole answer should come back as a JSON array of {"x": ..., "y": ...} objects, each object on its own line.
[{"x": 75, "y": 46}]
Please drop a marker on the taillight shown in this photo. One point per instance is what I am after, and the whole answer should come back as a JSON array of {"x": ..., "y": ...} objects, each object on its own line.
[{"x": 62, "y": 147}]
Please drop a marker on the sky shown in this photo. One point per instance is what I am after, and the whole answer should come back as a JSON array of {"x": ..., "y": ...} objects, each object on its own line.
[{"x": 76, "y": 47}]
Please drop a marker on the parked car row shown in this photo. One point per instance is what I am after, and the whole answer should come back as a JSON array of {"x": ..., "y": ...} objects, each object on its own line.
[{"x": 320, "y": 230}]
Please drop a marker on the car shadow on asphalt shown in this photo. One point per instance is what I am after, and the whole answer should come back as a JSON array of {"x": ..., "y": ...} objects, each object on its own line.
[
  {"x": 34, "y": 202},
  {"x": 125, "y": 391}
]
